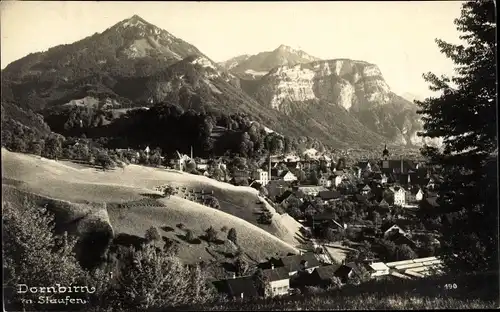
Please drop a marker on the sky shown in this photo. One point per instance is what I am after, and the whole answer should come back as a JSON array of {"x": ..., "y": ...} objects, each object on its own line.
[{"x": 399, "y": 37}]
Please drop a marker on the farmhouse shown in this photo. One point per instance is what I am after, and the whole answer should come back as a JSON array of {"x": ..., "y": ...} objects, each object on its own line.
[{"x": 279, "y": 281}]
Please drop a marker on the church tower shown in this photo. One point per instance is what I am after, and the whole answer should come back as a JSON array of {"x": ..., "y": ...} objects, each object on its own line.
[{"x": 385, "y": 158}]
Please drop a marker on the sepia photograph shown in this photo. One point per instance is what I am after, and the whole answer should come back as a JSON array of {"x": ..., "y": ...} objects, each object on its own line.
[{"x": 223, "y": 156}]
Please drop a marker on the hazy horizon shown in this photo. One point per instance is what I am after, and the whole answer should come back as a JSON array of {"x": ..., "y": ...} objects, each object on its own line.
[{"x": 396, "y": 36}]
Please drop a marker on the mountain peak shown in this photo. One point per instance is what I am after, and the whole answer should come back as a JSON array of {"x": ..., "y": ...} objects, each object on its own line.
[
  {"x": 134, "y": 20},
  {"x": 284, "y": 47}
]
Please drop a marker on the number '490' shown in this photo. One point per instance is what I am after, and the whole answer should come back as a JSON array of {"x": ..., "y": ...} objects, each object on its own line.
[{"x": 450, "y": 286}]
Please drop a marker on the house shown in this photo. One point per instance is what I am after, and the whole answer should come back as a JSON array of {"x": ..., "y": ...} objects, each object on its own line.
[
  {"x": 327, "y": 218},
  {"x": 365, "y": 190},
  {"x": 347, "y": 271},
  {"x": 383, "y": 204},
  {"x": 201, "y": 164},
  {"x": 401, "y": 239},
  {"x": 339, "y": 176},
  {"x": 378, "y": 269},
  {"x": 237, "y": 288},
  {"x": 389, "y": 229},
  {"x": 294, "y": 165},
  {"x": 399, "y": 195},
  {"x": 326, "y": 181},
  {"x": 287, "y": 198},
  {"x": 379, "y": 177},
  {"x": 261, "y": 176},
  {"x": 240, "y": 177},
  {"x": 327, "y": 196},
  {"x": 300, "y": 263},
  {"x": 276, "y": 188},
  {"x": 362, "y": 199},
  {"x": 287, "y": 176},
  {"x": 364, "y": 165},
  {"x": 312, "y": 190},
  {"x": 414, "y": 194},
  {"x": 279, "y": 281}
]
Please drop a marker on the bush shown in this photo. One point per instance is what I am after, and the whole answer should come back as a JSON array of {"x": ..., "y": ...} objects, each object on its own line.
[
  {"x": 211, "y": 234},
  {"x": 223, "y": 229}
]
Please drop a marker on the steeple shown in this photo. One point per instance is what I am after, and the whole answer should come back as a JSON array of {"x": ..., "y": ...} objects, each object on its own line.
[{"x": 385, "y": 152}]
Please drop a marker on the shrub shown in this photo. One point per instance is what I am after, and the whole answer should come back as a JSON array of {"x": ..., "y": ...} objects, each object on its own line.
[
  {"x": 152, "y": 234},
  {"x": 189, "y": 235},
  {"x": 223, "y": 229},
  {"x": 231, "y": 235}
]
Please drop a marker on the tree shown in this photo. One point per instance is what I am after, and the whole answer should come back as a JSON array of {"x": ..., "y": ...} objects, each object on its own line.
[
  {"x": 104, "y": 160},
  {"x": 52, "y": 148},
  {"x": 189, "y": 236},
  {"x": 155, "y": 159},
  {"x": 211, "y": 234},
  {"x": 261, "y": 283},
  {"x": 241, "y": 266},
  {"x": 231, "y": 235},
  {"x": 464, "y": 116},
  {"x": 404, "y": 252},
  {"x": 33, "y": 255},
  {"x": 149, "y": 279},
  {"x": 152, "y": 234}
]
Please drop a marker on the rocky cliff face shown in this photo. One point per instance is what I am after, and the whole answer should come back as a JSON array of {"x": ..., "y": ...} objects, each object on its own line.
[{"x": 356, "y": 86}]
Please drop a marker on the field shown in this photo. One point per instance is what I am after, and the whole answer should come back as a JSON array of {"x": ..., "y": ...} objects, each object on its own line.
[{"x": 128, "y": 197}]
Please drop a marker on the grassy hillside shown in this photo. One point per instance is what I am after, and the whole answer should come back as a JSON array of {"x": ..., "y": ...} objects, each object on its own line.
[{"x": 131, "y": 210}]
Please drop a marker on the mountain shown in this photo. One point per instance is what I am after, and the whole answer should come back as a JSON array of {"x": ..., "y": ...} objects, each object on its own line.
[
  {"x": 253, "y": 66},
  {"x": 354, "y": 89},
  {"x": 136, "y": 64}
]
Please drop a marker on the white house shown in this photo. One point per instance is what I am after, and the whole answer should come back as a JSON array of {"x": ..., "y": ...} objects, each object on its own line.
[
  {"x": 414, "y": 195},
  {"x": 339, "y": 177},
  {"x": 288, "y": 176},
  {"x": 399, "y": 195},
  {"x": 261, "y": 176},
  {"x": 279, "y": 281},
  {"x": 325, "y": 181}
]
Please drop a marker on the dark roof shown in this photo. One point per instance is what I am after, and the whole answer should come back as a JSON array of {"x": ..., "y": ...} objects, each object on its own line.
[
  {"x": 293, "y": 263},
  {"x": 360, "y": 198},
  {"x": 395, "y": 165},
  {"x": 366, "y": 188},
  {"x": 327, "y": 195},
  {"x": 387, "y": 226},
  {"x": 245, "y": 285},
  {"x": 276, "y": 274},
  {"x": 327, "y": 271},
  {"x": 383, "y": 203},
  {"x": 354, "y": 267},
  {"x": 284, "y": 196},
  {"x": 432, "y": 201},
  {"x": 343, "y": 270}
]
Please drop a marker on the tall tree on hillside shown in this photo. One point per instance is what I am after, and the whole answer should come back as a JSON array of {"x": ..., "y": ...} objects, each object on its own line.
[{"x": 464, "y": 115}]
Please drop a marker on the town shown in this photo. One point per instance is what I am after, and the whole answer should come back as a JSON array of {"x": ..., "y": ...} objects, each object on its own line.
[{"x": 369, "y": 220}]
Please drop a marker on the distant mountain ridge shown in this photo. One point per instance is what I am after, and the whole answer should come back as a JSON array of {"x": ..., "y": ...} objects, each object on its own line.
[{"x": 136, "y": 64}]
